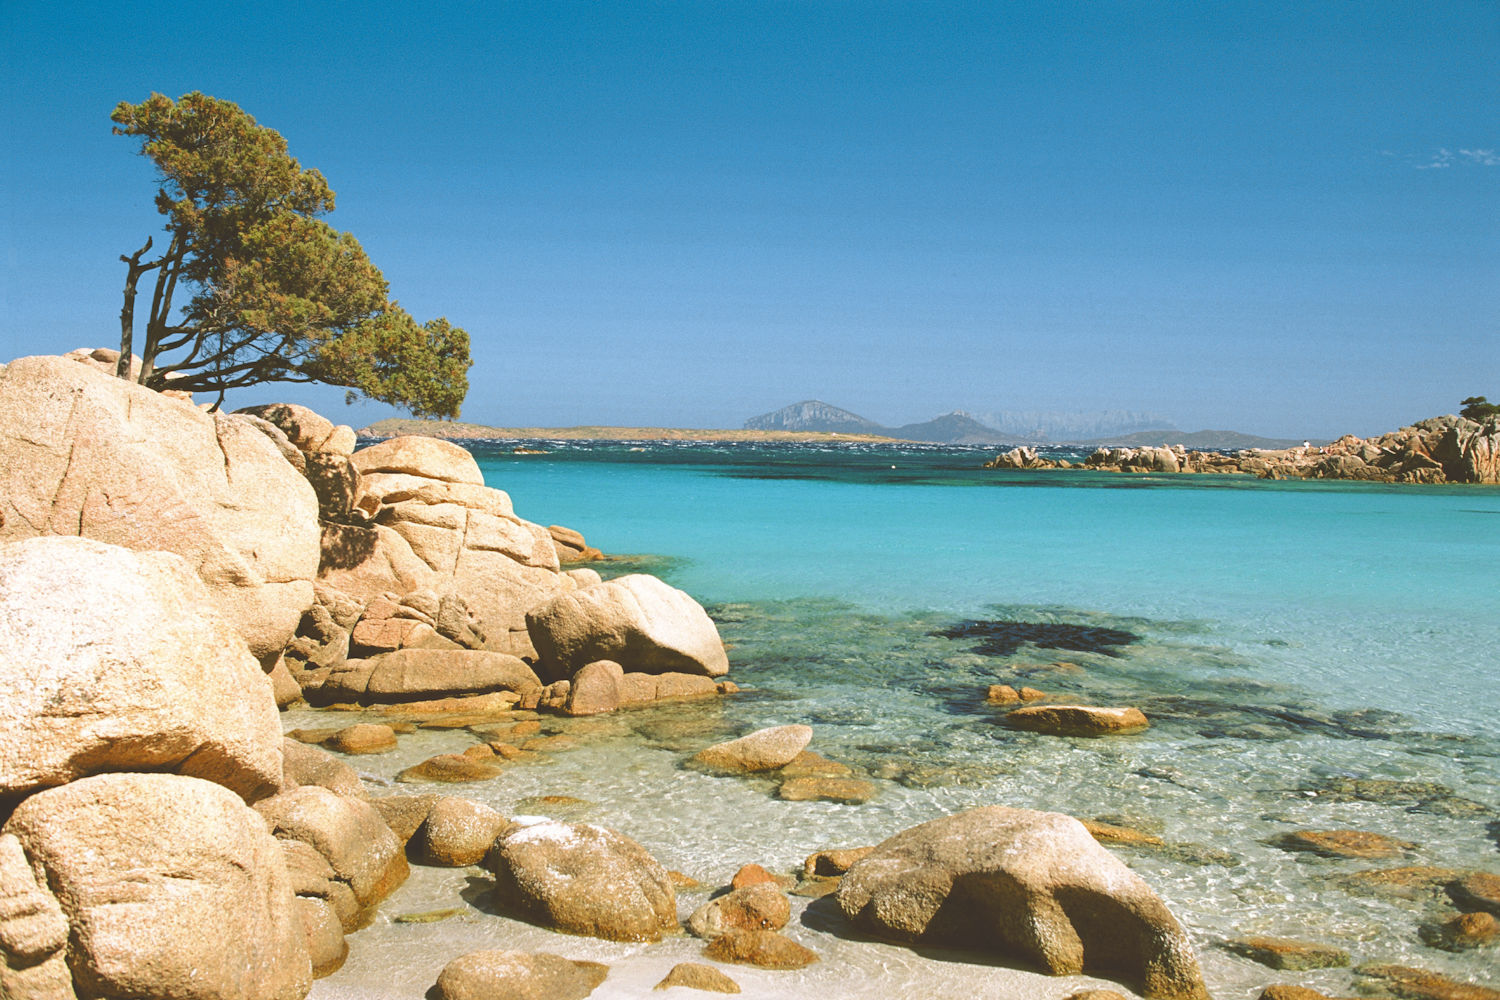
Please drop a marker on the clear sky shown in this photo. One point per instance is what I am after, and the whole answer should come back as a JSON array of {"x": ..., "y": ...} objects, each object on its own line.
[{"x": 1280, "y": 218}]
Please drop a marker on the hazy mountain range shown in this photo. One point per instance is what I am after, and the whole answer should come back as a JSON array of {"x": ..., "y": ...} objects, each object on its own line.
[{"x": 1112, "y": 427}]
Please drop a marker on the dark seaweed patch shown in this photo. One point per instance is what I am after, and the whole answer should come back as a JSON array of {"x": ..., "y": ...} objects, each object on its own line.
[{"x": 1002, "y": 638}]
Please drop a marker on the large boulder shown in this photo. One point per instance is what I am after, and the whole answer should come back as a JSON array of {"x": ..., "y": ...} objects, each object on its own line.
[
  {"x": 637, "y": 621},
  {"x": 584, "y": 879},
  {"x": 350, "y": 834},
  {"x": 114, "y": 660},
  {"x": 172, "y": 887},
  {"x": 410, "y": 674},
  {"x": 82, "y": 453},
  {"x": 307, "y": 430},
  {"x": 415, "y": 455},
  {"x": 1032, "y": 885}
]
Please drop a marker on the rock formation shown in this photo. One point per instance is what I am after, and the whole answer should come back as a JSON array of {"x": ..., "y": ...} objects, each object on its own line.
[
  {"x": 113, "y": 660},
  {"x": 1444, "y": 449},
  {"x": 143, "y": 866},
  {"x": 83, "y": 453},
  {"x": 637, "y": 621},
  {"x": 1033, "y": 885},
  {"x": 584, "y": 879}
]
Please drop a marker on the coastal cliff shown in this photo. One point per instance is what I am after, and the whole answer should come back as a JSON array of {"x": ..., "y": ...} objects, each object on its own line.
[{"x": 1445, "y": 449}]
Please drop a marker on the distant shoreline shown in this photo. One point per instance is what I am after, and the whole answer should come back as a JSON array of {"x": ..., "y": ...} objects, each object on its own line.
[
  {"x": 456, "y": 430},
  {"x": 396, "y": 427}
]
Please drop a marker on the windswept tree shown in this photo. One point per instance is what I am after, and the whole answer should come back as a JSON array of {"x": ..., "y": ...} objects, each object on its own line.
[
  {"x": 272, "y": 292},
  {"x": 1479, "y": 408}
]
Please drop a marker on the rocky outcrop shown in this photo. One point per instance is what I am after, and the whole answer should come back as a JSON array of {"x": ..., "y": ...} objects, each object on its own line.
[
  {"x": 517, "y": 975},
  {"x": 82, "y": 453},
  {"x": 584, "y": 879},
  {"x": 637, "y": 621},
  {"x": 156, "y": 873},
  {"x": 438, "y": 527},
  {"x": 411, "y": 674},
  {"x": 306, "y": 430},
  {"x": 571, "y": 545},
  {"x": 1027, "y": 884},
  {"x": 1445, "y": 449},
  {"x": 114, "y": 660}
]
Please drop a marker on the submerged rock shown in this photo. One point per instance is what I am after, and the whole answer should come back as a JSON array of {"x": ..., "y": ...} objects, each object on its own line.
[
  {"x": 1477, "y": 891},
  {"x": 762, "y": 750},
  {"x": 1077, "y": 720},
  {"x": 1400, "y": 982},
  {"x": 453, "y": 768},
  {"x": 1463, "y": 932},
  {"x": 1283, "y": 953},
  {"x": 366, "y": 737},
  {"x": 845, "y": 791},
  {"x": 1028, "y": 884},
  {"x": 764, "y": 949},
  {"x": 1343, "y": 844}
]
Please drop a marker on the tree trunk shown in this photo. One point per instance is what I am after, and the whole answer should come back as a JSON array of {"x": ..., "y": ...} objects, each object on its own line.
[{"x": 133, "y": 271}]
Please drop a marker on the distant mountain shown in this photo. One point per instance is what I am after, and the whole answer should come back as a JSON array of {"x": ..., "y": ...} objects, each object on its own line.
[
  {"x": 813, "y": 415},
  {"x": 1053, "y": 425},
  {"x": 1200, "y": 440},
  {"x": 950, "y": 428}
]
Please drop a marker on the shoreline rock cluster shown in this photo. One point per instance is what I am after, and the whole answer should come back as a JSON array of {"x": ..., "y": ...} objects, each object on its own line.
[
  {"x": 171, "y": 576},
  {"x": 1446, "y": 449}
]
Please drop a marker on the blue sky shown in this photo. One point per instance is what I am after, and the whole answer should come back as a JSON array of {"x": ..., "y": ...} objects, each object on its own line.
[{"x": 1276, "y": 218}]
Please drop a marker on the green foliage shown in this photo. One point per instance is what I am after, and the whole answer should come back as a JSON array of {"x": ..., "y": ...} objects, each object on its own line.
[
  {"x": 1479, "y": 408},
  {"x": 275, "y": 293},
  {"x": 391, "y": 359}
]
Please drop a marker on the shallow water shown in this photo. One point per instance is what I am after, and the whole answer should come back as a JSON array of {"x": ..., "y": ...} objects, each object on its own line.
[{"x": 1280, "y": 636}]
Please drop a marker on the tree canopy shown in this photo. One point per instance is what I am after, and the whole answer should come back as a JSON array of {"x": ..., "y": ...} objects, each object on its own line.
[
  {"x": 274, "y": 293},
  {"x": 1479, "y": 408}
]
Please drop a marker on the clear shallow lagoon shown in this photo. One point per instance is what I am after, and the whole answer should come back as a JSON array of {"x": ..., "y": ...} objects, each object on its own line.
[{"x": 1282, "y": 637}]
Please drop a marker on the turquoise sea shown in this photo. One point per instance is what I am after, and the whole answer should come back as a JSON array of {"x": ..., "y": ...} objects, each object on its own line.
[{"x": 1312, "y": 656}]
